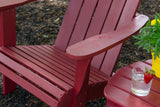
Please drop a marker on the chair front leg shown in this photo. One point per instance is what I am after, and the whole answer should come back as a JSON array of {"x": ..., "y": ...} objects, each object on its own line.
[
  {"x": 8, "y": 85},
  {"x": 81, "y": 83},
  {"x": 8, "y": 38}
]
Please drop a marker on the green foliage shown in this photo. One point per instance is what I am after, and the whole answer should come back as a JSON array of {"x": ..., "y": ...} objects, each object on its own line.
[{"x": 150, "y": 36}]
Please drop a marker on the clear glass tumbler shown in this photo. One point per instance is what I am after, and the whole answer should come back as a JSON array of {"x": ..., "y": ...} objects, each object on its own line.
[{"x": 138, "y": 86}]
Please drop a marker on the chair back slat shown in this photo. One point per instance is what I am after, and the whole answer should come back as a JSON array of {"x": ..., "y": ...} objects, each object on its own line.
[
  {"x": 112, "y": 54},
  {"x": 68, "y": 24},
  {"x": 86, "y": 18},
  {"x": 83, "y": 21},
  {"x": 110, "y": 25},
  {"x": 98, "y": 19}
]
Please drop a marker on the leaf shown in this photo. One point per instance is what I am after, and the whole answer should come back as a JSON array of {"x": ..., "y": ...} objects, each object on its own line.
[{"x": 137, "y": 43}]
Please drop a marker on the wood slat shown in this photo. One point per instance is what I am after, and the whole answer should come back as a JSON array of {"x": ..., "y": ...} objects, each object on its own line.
[
  {"x": 41, "y": 82},
  {"x": 124, "y": 99},
  {"x": 142, "y": 65},
  {"x": 100, "y": 43},
  {"x": 28, "y": 86},
  {"x": 36, "y": 68},
  {"x": 99, "y": 73},
  {"x": 54, "y": 55},
  {"x": 45, "y": 60},
  {"x": 8, "y": 27},
  {"x": 127, "y": 15},
  {"x": 54, "y": 71},
  {"x": 7, "y": 4},
  {"x": 148, "y": 61},
  {"x": 68, "y": 24},
  {"x": 94, "y": 79},
  {"x": 125, "y": 85},
  {"x": 109, "y": 25},
  {"x": 94, "y": 75},
  {"x": 99, "y": 17},
  {"x": 126, "y": 72},
  {"x": 59, "y": 55},
  {"x": 83, "y": 21}
]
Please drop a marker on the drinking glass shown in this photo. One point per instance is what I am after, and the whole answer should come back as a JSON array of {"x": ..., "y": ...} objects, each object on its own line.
[{"x": 138, "y": 86}]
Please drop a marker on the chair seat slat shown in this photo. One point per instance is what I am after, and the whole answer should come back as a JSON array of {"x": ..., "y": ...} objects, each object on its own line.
[
  {"x": 36, "y": 68},
  {"x": 46, "y": 60},
  {"x": 54, "y": 72},
  {"x": 28, "y": 86},
  {"x": 53, "y": 56},
  {"x": 29, "y": 75}
]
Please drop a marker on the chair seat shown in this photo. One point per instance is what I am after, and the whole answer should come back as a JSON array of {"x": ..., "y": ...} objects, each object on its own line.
[{"x": 48, "y": 71}]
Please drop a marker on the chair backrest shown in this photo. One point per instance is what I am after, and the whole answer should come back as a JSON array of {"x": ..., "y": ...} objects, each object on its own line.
[{"x": 86, "y": 18}]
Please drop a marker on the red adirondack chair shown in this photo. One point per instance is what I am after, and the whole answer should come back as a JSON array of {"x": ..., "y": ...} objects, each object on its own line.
[{"x": 92, "y": 34}]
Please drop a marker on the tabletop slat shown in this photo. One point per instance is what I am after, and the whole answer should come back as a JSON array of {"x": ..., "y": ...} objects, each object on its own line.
[{"x": 120, "y": 85}]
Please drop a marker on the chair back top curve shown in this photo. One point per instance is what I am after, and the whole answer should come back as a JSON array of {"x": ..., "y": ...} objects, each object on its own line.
[{"x": 86, "y": 18}]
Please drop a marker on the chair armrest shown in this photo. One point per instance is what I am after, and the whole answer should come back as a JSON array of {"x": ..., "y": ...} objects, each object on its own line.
[
  {"x": 6, "y": 4},
  {"x": 100, "y": 43}
]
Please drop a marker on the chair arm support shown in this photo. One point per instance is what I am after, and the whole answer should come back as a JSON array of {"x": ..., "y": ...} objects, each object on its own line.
[
  {"x": 100, "y": 43},
  {"x": 7, "y": 4}
]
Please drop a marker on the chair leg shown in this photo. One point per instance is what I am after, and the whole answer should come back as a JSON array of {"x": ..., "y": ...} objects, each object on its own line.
[
  {"x": 79, "y": 100},
  {"x": 81, "y": 83},
  {"x": 8, "y": 85}
]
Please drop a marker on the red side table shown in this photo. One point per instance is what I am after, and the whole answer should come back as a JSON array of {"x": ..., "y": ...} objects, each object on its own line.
[{"x": 118, "y": 90}]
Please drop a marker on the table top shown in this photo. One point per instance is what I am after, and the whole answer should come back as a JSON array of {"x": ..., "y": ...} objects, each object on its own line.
[{"x": 118, "y": 89}]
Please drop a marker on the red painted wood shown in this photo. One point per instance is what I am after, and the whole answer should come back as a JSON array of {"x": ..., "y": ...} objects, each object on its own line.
[
  {"x": 28, "y": 86},
  {"x": 121, "y": 82},
  {"x": 149, "y": 62},
  {"x": 68, "y": 24},
  {"x": 52, "y": 64},
  {"x": 59, "y": 54},
  {"x": 8, "y": 27},
  {"x": 125, "y": 99},
  {"x": 8, "y": 38},
  {"x": 94, "y": 84},
  {"x": 40, "y": 65},
  {"x": 100, "y": 74},
  {"x": 98, "y": 18},
  {"x": 100, "y": 43},
  {"x": 141, "y": 65},
  {"x": 33, "y": 77},
  {"x": 7, "y": 4},
  {"x": 83, "y": 21},
  {"x": 126, "y": 17},
  {"x": 55, "y": 56},
  {"x": 81, "y": 83},
  {"x": 109, "y": 26},
  {"x": 111, "y": 104},
  {"x": 96, "y": 90},
  {"x": 8, "y": 85},
  {"x": 46, "y": 61},
  {"x": 40, "y": 71},
  {"x": 94, "y": 74},
  {"x": 125, "y": 85},
  {"x": 48, "y": 70},
  {"x": 94, "y": 78}
]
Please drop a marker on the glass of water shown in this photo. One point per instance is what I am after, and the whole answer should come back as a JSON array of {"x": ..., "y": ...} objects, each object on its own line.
[{"x": 138, "y": 86}]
